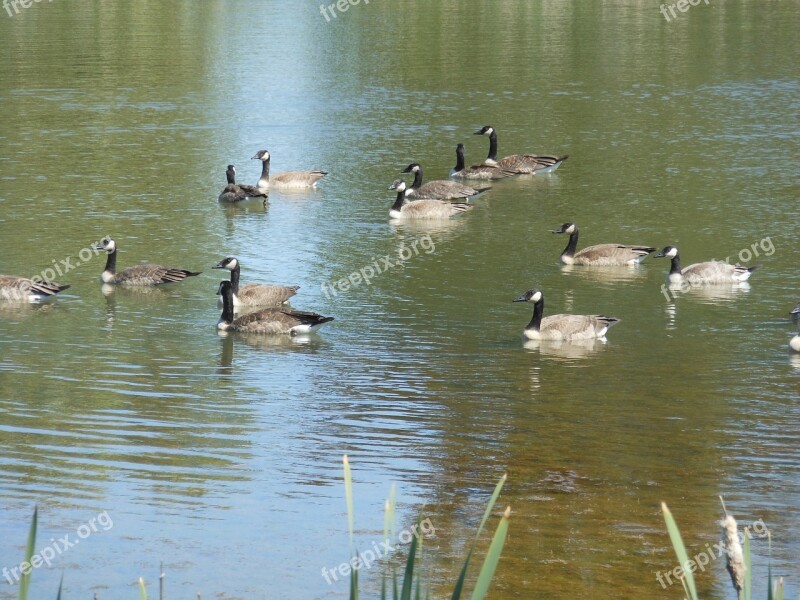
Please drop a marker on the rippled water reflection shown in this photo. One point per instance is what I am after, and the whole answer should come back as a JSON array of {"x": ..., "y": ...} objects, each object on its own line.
[{"x": 220, "y": 454}]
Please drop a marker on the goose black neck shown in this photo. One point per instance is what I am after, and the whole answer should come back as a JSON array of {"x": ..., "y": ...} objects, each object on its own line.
[
  {"x": 264, "y": 170},
  {"x": 572, "y": 244},
  {"x": 675, "y": 266},
  {"x": 492, "y": 146},
  {"x": 459, "y": 159},
  {"x": 417, "y": 179},
  {"x": 111, "y": 262},
  {"x": 231, "y": 177},
  {"x": 398, "y": 203},
  {"x": 227, "y": 306},
  {"x": 235, "y": 279},
  {"x": 536, "y": 320}
]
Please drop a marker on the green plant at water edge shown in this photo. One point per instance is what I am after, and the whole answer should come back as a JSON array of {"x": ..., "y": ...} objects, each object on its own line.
[
  {"x": 413, "y": 583},
  {"x": 25, "y": 582},
  {"x": 738, "y": 559}
]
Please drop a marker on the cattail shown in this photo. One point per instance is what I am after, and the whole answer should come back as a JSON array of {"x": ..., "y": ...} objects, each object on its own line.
[{"x": 733, "y": 551}]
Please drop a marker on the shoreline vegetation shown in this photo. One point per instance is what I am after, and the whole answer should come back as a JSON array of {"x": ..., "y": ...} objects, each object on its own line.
[{"x": 734, "y": 545}]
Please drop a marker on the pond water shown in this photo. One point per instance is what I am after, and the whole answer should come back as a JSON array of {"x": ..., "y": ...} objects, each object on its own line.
[{"x": 220, "y": 457}]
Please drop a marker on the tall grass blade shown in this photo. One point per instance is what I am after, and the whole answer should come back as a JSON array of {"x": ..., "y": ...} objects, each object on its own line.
[
  {"x": 348, "y": 494},
  {"x": 459, "y": 587},
  {"x": 769, "y": 567},
  {"x": 60, "y": 586},
  {"x": 492, "y": 500},
  {"x": 25, "y": 582},
  {"x": 680, "y": 550},
  {"x": 354, "y": 584},
  {"x": 142, "y": 590},
  {"x": 408, "y": 577},
  {"x": 492, "y": 558},
  {"x": 748, "y": 579}
]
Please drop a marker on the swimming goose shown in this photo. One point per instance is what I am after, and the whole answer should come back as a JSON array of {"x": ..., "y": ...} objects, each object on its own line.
[
  {"x": 255, "y": 294},
  {"x": 423, "y": 209},
  {"x": 704, "y": 273},
  {"x": 519, "y": 163},
  {"x": 600, "y": 255},
  {"x": 273, "y": 321},
  {"x": 22, "y": 289},
  {"x": 794, "y": 343},
  {"x": 483, "y": 171},
  {"x": 289, "y": 179},
  {"x": 441, "y": 189},
  {"x": 140, "y": 274},
  {"x": 236, "y": 193},
  {"x": 562, "y": 327}
]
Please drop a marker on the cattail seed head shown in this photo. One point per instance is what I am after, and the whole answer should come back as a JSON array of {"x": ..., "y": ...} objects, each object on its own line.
[{"x": 733, "y": 551}]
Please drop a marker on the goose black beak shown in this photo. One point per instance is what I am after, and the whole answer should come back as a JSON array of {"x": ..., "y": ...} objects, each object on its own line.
[
  {"x": 478, "y": 133},
  {"x": 556, "y": 231},
  {"x": 660, "y": 255},
  {"x": 256, "y": 157},
  {"x": 521, "y": 299}
]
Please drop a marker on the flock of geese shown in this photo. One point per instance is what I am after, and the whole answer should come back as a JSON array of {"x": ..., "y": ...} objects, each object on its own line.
[{"x": 440, "y": 199}]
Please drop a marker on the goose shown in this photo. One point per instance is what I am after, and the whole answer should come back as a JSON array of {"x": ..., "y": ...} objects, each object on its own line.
[
  {"x": 600, "y": 255},
  {"x": 423, "y": 209},
  {"x": 289, "y": 179},
  {"x": 483, "y": 171},
  {"x": 704, "y": 273},
  {"x": 140, "y": 274},
  {"x": 441, "y": 189},
  {"x": 22, "y": 289},
  {"x": 273, "y": 321},
  {"x": 519, "y": 163},
  {"x": 794, "y": 343},
  {"x": 236, "y": 193},
  {"x": 562, "y": 327},
  {"x": 254, "y": 294}
]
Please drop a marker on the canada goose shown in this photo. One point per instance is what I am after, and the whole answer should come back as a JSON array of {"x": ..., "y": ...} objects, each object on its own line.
[
  {"x": 562, "y": 327},
  {"x": 255, "y": 294},
  {"x": 22, "y": 289},
  {"x": 274, "y": 321},
  {"x": 519, "y": 163},
  {"x": 423, "y": 209},
  {"x": 140, "y": 274},
  {"x": 600, "y": 255},
  {"x": 483, "y": 171},
  {"x": 794, "y": 343},
  {"x": 704, "y": 273},
  {"x": 441, "y": 189},
  {"x": 289, "y": 179},
  {"x": 236, "y": 193}
]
